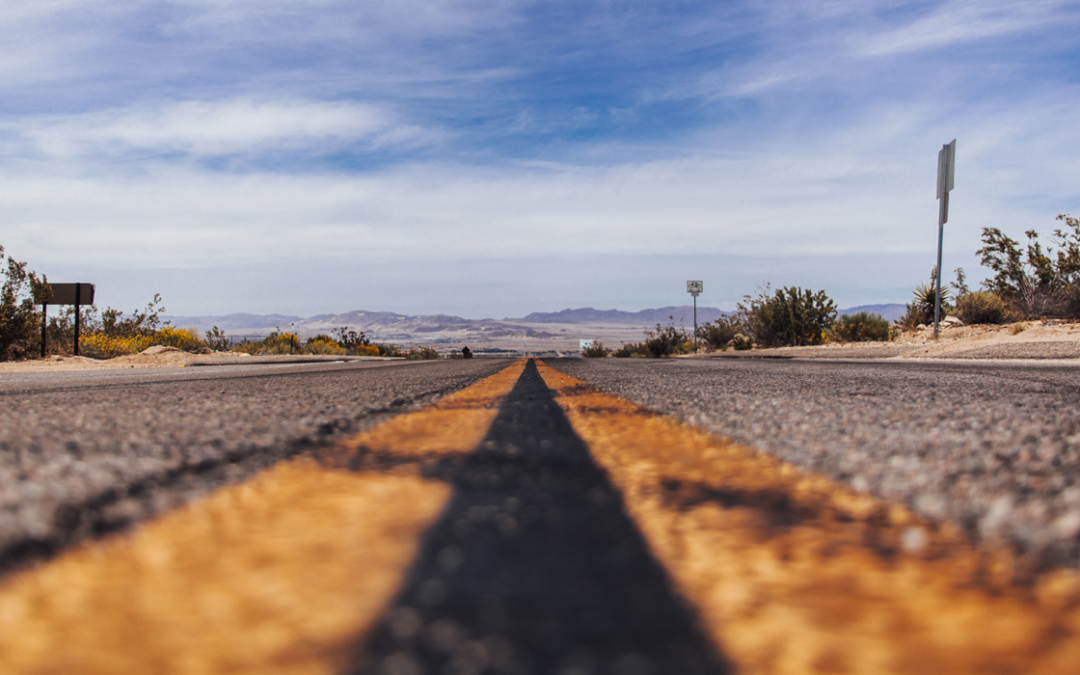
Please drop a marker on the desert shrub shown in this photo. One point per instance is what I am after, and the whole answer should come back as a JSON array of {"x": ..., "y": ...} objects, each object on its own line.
[
  {"x": 246, "y": 346},
  {"x": 422, "y": 354},
  {"x": 349, "y": 339},
  {"x": 186, "y": 339},
  {"x": 141, "y": 322},
  {"x": 321, "y": 344},
  {"x": 217, "y": 340},
  {"x": 668, "y": 340},
  {"x": 790, "y": 316},
  {"x": 1035, "y": 282},
  {"x": 384, "y": 349},
  {"x": 921, "y": 307},
  {"x": 634, "y": 350},
  {"x": 102, "y": 346},
  {"x": 20, "y": 296},
  {"x": 596, "y": 350},
  {"x": 281, "y": 343},
  {"x": 718, "y": 334},
  {"x": 861, "y": 327},
  {"x": 742, "y": 342},
  {"x": 372, "y": 350},
  {"x": 982, "y": 307}
]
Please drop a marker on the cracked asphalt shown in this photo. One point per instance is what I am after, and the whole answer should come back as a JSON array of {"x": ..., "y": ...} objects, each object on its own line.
[{"x": 86, "y": 453}]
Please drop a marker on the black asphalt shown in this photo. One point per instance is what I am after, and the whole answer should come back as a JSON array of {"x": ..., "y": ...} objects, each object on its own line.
[
  {"x": 992, "y": 447},
  {"x": 85, "y": 453}
]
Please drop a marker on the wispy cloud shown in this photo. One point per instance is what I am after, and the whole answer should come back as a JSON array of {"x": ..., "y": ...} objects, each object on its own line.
[
  {"x": 208, "y": 134},
  {"x": 214, "y": 128},
  {"x": 963, "y": 21}
]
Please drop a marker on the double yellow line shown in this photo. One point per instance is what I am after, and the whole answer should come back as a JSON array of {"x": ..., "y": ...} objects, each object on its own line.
[{"x": 788, "y": 572}]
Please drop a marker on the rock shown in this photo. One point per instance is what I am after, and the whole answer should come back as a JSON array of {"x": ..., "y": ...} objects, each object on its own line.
[
  {"x": 158, "y": 349},
  {"x": 952, "y": 321}
]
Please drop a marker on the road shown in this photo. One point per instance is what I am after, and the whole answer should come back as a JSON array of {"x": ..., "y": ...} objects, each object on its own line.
[
  {"x": 532, "y": 523},
  {"x": 994, "y": 447},
  {"x": 83, "y": 453}
]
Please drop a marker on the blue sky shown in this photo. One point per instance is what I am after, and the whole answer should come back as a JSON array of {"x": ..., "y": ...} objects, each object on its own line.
[{"x": 496, "y": 158}]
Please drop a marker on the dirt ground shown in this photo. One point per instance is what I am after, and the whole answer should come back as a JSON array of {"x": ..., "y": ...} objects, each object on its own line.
[
  {"x": 162, "y": 357},
  {"x": 1039, "y": 340}
]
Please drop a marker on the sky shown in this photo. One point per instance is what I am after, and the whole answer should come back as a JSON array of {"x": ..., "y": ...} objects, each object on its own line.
[{"x": 495, "y": 158}]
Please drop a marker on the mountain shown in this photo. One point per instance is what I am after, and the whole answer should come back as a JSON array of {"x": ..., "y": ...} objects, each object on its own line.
[
  {"x": 646, "y": 317},
  {"x": 889, "y": 312},
  {"x": 232, "y": 321}
]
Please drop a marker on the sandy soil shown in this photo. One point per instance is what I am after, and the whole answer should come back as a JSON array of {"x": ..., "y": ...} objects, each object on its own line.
[
  {"x": 161, "y": 357},
  {"x": 1039, "y": 340},
  {"x": 1027, "y": 340}
]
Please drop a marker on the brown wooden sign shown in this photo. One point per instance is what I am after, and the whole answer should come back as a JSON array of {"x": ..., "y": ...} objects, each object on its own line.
[{"x": 65, "y": 294}]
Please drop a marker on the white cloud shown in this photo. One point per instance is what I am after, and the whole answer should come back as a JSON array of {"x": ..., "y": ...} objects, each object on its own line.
[
  {"x": 213, "y": 128},
  {"x": 962, "y": 21}
]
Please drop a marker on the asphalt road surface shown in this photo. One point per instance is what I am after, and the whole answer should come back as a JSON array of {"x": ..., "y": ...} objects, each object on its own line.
[
  {"x": 531, "y": 523},
  {"x": 84, "y": 453},
  {"x": 993, "y": 447}
]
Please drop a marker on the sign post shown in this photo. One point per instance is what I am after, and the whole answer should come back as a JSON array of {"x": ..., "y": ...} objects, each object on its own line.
[
  {"x": 946, "y": 169},
  {"x": 695, "y": 288},
  {"x": 66, "y": 294}
]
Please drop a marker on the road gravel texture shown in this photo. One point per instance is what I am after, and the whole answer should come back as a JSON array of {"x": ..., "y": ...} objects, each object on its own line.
[
  {"x": 990, "y": 447},
  {"x": 84, "y": 453}
]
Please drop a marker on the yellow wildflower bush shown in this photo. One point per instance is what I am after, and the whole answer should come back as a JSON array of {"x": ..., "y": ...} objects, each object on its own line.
[
  {"x": 102, "y": 346},
  {"x": 366, "y": 350},
  {"x": 186, "y": 339},
  {"x": 321, "y": 346}
]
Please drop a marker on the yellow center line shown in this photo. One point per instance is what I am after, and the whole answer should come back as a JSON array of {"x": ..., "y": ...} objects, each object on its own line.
[
  {"x": 792, "y": 573},
  {"x": 280, "y": 574}
]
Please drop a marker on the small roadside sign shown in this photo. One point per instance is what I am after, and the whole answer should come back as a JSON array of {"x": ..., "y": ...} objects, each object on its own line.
[
  {"x": 946, "y": 179},
  {"x": 694, "y": 288},
  {"x": 71, "y": 294}
]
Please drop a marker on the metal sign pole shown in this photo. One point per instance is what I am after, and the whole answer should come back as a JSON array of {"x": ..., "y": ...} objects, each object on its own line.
[
  {"x": 694, "y": 288},
  {"x": 945, "y": 180},
  {"x": 78, "y": 292},
  {"x": 44, "y": 326}
]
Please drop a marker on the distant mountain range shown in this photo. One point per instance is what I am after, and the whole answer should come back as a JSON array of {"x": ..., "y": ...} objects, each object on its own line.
[
  {"x": 646, "y": 317},
  {"x": 889, "y": 312},
  {"x": 444, "y": 327}
]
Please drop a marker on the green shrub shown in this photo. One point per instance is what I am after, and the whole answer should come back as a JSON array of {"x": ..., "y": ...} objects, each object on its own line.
[
  {"x": 634, "y": 350},
  {"x": 742, "y": 342},
  {"x": 384, "y": 349},
  {"x": 668, "y": 340},
  {"x": 281, "y": 343},
  {"x": 921, "y": 308},
  {"x": 861, "y": 327},
  {"x": 246, "y": 346},
  {"x": 422, "y": 354},
  {"x": 982, "y": 307},
  {"x": 1035, "y": 282},
  {"x": 20, "y": 321},
  {"x": 217, "y": 340},
  {"x": 790, "y": 316},
  {"x": 596, "y": 350},
  {"x": 719, "y": 334}
]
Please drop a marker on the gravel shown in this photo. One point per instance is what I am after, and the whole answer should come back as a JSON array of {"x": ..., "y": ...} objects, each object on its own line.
[
  {"x": 87, "y": 453},
  {"x": 990, "y": 447}
]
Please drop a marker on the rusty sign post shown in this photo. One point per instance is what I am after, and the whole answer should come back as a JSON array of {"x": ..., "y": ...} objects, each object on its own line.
[{"x": 66, "y": 294}]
